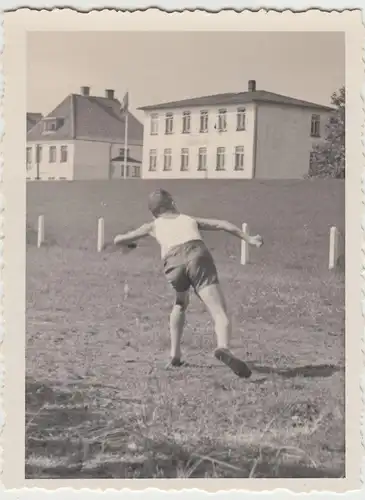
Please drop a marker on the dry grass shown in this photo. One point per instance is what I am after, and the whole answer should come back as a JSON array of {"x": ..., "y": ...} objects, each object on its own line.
[{"x": 100, "y": 402}]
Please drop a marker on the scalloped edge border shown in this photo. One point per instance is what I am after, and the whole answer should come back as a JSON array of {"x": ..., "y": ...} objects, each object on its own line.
[{"x": 2, "y": 237}]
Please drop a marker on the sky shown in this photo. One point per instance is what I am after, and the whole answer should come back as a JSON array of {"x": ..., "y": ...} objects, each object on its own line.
[{"x": 162, "y": 66}]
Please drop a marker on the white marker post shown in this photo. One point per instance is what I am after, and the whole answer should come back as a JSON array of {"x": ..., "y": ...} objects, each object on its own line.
[
  {"x": 244, "y": 247},
  {"x": 40, "y": 238},
  {"x": 101, "y": 234},
  {"x": 334, "y": 247}
]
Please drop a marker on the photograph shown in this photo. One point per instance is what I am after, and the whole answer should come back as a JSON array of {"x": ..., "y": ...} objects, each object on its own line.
[
  {"x": 180, "y": 153},
  {"x": 187, "y": 242}
]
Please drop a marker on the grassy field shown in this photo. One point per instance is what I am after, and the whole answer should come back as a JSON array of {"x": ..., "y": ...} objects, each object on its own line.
[{"x": 99, "y": 401}]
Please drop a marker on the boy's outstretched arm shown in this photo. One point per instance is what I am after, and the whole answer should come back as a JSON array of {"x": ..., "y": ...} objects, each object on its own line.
[
  {"x": 137, "y": 234},
  {"x": 228, "y": 227}
]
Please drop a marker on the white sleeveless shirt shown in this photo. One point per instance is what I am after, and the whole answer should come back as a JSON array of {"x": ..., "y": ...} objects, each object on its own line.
[{"x": 172, "y": 231}]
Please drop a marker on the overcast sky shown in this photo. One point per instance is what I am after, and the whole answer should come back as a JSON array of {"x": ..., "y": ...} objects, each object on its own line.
[{"x": 157, "y": 67}]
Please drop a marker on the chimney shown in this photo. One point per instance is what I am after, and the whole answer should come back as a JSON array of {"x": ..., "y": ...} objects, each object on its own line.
[
  {"x": 85, "y": 91},
  {"x": 252, "y": 85},
  {"x": 109, "y": 94}
]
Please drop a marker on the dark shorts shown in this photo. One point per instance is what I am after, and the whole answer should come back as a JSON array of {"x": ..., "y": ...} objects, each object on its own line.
[{"x": 190, "y": 265}]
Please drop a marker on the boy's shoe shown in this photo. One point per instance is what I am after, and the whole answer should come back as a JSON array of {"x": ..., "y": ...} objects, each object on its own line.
[
  {"x": 175, "y": 362},
  {"x": 238, "y": 366}
]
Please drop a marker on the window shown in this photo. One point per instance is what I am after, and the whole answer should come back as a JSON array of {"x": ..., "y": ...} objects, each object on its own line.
[
  {"x": 241, "y": 119},
  {"x": 122, "y": 152},
  {"x": 136, "y": 172},
  {"x": 313, "y": 163},
  {"x": 312, "y": 160},
  {"x": 184, "y": 159},
  {"x": 202, "y": 159},
  {"x": 203, "y": 121},
  {"x": 169, "y": 123},
  {"x": 52, "y": 124},
  {"x": 64, "y": 154},
  {"x": 52, "y": 154},
  {"x": 239, "y": 158},
  {"x": 221, "y": 152},
  {"x": 29, "y": 156},
  {"x": 153, "y": 160},
  {"x": 167, "y": 159},
  {"x": 154, "y": 124},
  {"x": 222, "y": 120},
  {"x": 127, "y": 171},
  {"x": 186, "y": 122},
  {"x": 315, "y": 126}
]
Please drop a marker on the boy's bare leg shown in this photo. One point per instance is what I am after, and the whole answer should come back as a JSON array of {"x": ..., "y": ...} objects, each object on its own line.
[
  {"x": 177, "y": 322},
  {"x": 213, "y": 298}
]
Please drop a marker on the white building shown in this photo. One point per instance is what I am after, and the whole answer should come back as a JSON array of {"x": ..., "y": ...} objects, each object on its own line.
[
  {"x": 83, "y": 138},
  {"x": 253, "y": 134}
]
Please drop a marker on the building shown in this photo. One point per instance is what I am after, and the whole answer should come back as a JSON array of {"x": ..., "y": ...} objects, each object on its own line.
[
  {"x": 32, "y": 119},
  {"x": 245, "y": 135},
  {"x": 83, "y": 138}
]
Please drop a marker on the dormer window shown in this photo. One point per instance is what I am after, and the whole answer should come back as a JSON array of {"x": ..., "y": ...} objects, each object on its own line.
[
  {"x": 122, "y": 152},
  {"x": 51, "y": 124}
]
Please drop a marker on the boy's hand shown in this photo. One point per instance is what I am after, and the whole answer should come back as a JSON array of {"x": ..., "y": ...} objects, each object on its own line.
[
  {"x": 131, "y": 245},
  {"x": 256, "y": 241},
  {"x": 116, "y": 241}
]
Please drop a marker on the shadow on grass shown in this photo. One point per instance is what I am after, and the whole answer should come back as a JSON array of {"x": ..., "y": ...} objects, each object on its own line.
[
  {"x": 68, "y": 438},
  {"x": 309, "y": 371},
  {"x": 154, "y": 468}
]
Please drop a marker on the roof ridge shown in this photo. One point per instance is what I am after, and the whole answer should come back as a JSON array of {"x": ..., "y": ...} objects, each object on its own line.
[{"x": 231, "y": 98}]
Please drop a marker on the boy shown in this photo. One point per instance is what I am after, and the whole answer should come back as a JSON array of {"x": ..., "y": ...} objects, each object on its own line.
[{"x": 188, "y": 263}]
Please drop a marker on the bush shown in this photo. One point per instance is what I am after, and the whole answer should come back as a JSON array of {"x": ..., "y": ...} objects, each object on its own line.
[{"x": 328, "y": 157}]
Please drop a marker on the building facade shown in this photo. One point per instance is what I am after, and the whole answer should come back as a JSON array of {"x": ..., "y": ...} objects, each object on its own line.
[
  {"x": 254, "y": 134},
  {"x": 83, "y": 139}
]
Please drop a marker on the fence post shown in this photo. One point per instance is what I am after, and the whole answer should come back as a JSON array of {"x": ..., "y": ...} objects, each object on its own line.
[
  {"x": 40, "y": 236},
  {"x": 334, "y": 247},
  {"x": 244, "y": 247},
  {"x": 100, "y": 244}
]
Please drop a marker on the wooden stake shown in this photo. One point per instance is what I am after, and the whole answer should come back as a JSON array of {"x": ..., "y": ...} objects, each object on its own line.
[{"x": 101, "y": 235}]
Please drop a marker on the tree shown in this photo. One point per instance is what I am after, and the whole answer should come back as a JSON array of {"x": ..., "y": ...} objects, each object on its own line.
[{"x": 328, "y": 157}]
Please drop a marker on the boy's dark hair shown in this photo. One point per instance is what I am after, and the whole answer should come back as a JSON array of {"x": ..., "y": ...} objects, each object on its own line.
[{"x": 160, "y": 201}]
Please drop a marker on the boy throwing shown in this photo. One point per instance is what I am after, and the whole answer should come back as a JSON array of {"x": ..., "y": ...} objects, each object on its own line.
[{"x": 187, "y": 263}]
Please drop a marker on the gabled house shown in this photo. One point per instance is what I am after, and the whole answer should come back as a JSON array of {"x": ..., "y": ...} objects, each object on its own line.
[
  {"x": 83, "y": 138},
  {"x": 242, "y": 135}
]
